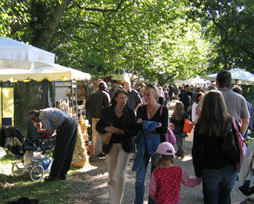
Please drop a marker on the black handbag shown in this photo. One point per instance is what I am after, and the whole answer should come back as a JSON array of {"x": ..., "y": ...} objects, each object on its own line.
[{"x": 230, "y": 146}]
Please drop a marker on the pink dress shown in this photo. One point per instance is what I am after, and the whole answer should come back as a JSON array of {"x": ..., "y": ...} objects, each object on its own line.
[{"x": 165, "y": 184}]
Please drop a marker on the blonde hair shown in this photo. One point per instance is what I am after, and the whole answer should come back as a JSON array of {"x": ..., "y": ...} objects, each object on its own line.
[
  {"x": 150, "y": 86},
  {"x": 160, "y": 159}
]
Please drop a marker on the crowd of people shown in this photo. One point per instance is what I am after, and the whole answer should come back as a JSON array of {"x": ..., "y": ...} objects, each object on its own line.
[{"x": 138, "y": 119}]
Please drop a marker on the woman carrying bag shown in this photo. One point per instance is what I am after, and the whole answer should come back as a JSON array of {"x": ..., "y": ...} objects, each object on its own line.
[
  {"x": 148, "y": 141},
  {"x": 211, "y": 162},
  {"x": 121, "y": 122}
]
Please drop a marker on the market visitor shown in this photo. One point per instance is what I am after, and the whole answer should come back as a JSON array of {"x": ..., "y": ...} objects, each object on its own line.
[
  {"x": 185, "y": 97},
  {"x": 66, "y": 129},
  {"x": 147, "y": 142},
  {"x": 134, "y": 99},
  {"x": 235, "y": 103},
  {"x": 94, "y": 105},
  {"x": 165, "y": 183},
  {"x": 239, "y": 90},
  {"x": 177, "y": 123},
  {"x": 218, "y": 172},
  {"x": 121, "y": 122},
  {"x": 196, "y": 101}
]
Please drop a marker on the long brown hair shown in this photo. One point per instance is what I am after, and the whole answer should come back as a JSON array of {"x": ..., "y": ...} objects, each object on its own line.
[
  {"x": 178, "y": 113},
  {"x": 214, "y": 119}
]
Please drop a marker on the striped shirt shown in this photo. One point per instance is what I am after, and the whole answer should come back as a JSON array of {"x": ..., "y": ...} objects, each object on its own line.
[{"x": 52, "y": 118}]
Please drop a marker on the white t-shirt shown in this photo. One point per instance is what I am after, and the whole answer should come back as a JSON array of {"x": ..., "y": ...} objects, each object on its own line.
[{"x": 193, "y": 111}]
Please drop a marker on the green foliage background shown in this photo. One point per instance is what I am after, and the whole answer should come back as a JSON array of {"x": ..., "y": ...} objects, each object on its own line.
[{"x": 157, "y": 39}]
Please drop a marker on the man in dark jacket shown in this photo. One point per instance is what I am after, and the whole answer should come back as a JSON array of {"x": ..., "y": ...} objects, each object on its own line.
[
  {"x": 94, "y": 105},
  {"x": 185, "y": 98}
]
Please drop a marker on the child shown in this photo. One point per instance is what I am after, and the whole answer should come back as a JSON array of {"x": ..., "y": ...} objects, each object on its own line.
[
  {"x": 177, "y": 122},
  {"x": 165, "y": 181}
]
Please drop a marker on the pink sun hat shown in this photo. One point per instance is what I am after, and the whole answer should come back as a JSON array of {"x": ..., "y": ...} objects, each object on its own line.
[{"x": 166, "y": 148}]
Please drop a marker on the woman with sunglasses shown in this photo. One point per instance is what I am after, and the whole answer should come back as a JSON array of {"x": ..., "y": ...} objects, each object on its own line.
[{"x": 148, "y": 141}]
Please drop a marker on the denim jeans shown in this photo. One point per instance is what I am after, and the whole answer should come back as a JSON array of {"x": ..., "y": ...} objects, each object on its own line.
[
  {"x": 218, "y": 183},
  {"x": 179, "y": 143},
  {"x": 140, "y": 179}
]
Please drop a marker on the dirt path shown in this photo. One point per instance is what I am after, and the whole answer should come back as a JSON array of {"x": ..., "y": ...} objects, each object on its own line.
[{"x": 89, "y": 185}]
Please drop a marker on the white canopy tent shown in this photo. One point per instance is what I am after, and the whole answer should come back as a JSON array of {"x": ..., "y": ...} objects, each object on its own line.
[
  {"x": 238, "y": 76},
  {"x": 194, "y": 81},
  {"x": 51, "y": 73},
  {"x": 18, "y": 55}
]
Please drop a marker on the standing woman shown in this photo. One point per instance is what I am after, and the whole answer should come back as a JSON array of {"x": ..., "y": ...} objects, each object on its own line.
[
  {"x": 197, "y": 100},
  {"x": 218, "y": 173},
  {"x": 147, "y": 142},
  {"x": 121, "y": 122}
]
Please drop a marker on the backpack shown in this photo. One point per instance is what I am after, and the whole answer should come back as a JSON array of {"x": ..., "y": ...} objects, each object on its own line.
[{"x": 230, "y": 146}]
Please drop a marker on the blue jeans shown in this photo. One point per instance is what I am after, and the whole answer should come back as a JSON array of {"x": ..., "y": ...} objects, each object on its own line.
[
  {"x": 218, "y": 183},
  {"x": 140, "y": 179},
  {"x": 179, "y": 143}
]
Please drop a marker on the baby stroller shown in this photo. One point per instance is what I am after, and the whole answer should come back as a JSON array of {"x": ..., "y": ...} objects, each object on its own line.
[{"x": 30, "y": 151}]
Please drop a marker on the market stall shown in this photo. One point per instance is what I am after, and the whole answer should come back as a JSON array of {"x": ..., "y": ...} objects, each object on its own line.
[{"x": 58, "y": 73}]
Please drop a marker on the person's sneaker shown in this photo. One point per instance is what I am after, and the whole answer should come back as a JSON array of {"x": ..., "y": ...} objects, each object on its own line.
[
  {"x": 182, "y": 155},
  {"x": 101, "y": 154}
]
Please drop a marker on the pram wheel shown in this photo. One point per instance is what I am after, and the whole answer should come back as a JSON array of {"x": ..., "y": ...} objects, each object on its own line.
[
  {"x": 36, "y": 173},
  {"x": 18, "y": 168}
]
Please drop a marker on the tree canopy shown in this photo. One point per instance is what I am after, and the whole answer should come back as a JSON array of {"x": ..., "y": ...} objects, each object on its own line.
[{"x": 158, "y": 39}]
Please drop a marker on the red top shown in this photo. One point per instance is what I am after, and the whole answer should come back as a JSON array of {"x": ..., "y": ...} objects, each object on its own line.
[{"x": 165, "y": 184}]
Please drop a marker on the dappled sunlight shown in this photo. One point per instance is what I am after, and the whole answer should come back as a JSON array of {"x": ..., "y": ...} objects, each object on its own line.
[
  {"x": 6, "y": 168},
  {"x": 187, "y": 157},
  {"x": 103, "y": 185},
  {"x": 86, "y": 168}
]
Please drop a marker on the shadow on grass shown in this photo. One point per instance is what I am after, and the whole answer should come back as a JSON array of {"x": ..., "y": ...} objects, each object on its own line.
[{"x": 83, "y": 186}]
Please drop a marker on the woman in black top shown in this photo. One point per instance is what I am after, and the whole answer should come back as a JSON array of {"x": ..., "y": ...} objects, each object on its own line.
[
  {"x": 217, "y": 171},
  {"x": 121, "y": 121},
  {"x": 148, "y": 142}
]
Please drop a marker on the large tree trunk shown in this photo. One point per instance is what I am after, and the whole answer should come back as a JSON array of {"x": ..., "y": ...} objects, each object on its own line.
[
  {"x": 33, "y": 95},
  {"x": 44, "y": 38}
]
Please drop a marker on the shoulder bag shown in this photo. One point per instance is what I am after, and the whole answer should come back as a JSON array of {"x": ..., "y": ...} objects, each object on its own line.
[
  {"x": 241, "y": 143},
  {"x": 188, "y": 125},
  {"x": 106, "y": 137},
  {"x": 169, "y": 136}
]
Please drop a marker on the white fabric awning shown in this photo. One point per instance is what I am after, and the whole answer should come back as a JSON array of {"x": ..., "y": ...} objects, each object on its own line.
[
  {"x": 51, "y": 73},
  {"x": 18, "y": 55},
  {"x": 238, "y": 76}
]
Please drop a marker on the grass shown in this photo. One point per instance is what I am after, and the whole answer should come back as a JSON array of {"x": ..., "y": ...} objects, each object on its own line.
[{"x": 13, "y": 188}]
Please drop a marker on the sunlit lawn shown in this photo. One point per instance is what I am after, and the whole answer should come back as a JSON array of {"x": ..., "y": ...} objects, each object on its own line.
[{"x": 13, "y": 188}]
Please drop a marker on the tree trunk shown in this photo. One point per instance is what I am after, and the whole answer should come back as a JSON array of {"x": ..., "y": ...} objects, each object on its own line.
[
  {"x": 33, "y": 95},
  {"x": 47, "y": 33}
]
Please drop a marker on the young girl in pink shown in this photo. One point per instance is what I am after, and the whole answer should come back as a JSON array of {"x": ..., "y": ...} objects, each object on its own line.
[{"x": 166, "y": 179}]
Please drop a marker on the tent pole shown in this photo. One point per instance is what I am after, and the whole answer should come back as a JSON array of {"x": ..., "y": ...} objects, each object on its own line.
[{"x": 72, "y": 104}]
